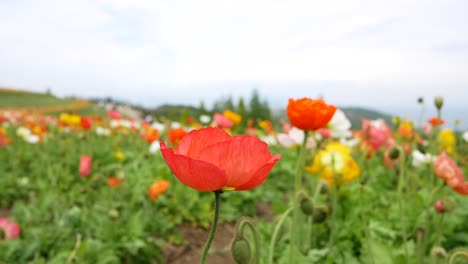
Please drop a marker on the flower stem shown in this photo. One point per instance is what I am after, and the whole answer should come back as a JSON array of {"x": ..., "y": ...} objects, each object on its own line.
[
  {"x": 275, "y": 234},
  {"x": 213, "y": 227},
  {"x": 295, "y": 224},
  {"x": 401, "y": 182}
]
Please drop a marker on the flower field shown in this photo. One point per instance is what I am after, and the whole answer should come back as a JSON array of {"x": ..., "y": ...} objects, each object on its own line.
[{"x": 309, "y": 189}]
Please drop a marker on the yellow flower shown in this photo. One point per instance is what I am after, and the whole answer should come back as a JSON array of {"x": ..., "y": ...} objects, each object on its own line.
[
  {"x": 446, "y": 140},
  {"x": 119, "y": 155},
  {"x": 233, "y": 117},
  {"x": 72, "y": 120},
  {"x": 335, "y": 164}
]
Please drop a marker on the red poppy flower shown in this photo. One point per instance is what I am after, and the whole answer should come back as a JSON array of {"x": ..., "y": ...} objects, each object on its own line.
[
  {"x": 114, "y": 182},
  {"x": 309, "y": 114},
  {"x": 85, "y": 123},
  {"x": 435, "y": 121},
  {"x": 85, "y": 165},
  {"x": 210, "y": 159}
]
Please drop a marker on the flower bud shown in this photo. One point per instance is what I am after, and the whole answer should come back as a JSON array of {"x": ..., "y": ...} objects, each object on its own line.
[
  {"x": 320, "y": 214},
  {"x": 394, "y": 153},
  {"x": 114, "y": 213},
  {"x": 307, "y": 205},
  {"x": 420, "y": 100},
  {"x": 439, "y": 253},
  {"x": 439, "y": 206},
  {"x": 240, "y": 250},
  {"x": 438, "y": 102}
]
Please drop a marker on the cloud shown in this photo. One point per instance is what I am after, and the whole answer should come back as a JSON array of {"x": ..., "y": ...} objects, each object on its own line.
[{"x": 356, "y": 51}]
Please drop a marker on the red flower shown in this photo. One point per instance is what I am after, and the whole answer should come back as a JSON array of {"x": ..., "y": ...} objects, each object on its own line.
[
  {"x": 114, "y": 182},
  {"x": 85, "y": 165},
  {"x": 85, "y": 123},
  {"x": 435, "y": 121},
  {"x": 176, "y": 135},
  {"x": 210, "y": 159},
  {"x": 309, "y": 114},
  {"x": 447, "y": 169},
  {"x": 10, "y": 229}
]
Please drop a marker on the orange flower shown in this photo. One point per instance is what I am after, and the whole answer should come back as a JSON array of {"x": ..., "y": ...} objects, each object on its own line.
[
  {"x": 151, "y": 135},
  {"x": 157, "y": 188},
  {"x": 176, "y": 135},
  {"x": 435, "y": 121},
  {"x": 114, "y": 182},
  {"x": 309, "y": 114}
]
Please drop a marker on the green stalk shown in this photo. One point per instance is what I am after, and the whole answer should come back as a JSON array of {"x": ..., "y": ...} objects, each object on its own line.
[
  {"x": 401, "y": 201},
  {"x": 295, "y": 225},
  {"x": 213, "y": 227},
  {"x": 275, "y": 234}
]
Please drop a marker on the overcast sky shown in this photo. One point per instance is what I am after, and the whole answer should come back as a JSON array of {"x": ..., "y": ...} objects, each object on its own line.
[{"x": 368, "y": 53}]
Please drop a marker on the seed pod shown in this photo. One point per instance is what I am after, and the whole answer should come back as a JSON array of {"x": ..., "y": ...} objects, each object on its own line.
[
  {"x": 307, "y": 205},
  {"x": 394, "y": 153},
  {"x": 320, "y": 214},
  {"x": 240, "y": 250}
]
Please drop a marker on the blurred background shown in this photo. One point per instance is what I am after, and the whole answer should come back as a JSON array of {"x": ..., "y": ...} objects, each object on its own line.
[{"x": 380, "y": 56}]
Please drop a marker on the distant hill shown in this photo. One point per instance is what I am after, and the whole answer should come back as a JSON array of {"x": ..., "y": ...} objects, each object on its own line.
[
  {"x": 36, "y": 102},
  {"x": 356, "y": 114}
]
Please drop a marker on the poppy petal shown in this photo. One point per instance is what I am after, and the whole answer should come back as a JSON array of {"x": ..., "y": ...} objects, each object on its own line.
[
  {"x": 205, "y": 137},
  {"x": 260, "y": 175},
  {"x": 197, "y": 174},
  {"x": 240, "y": 157}
]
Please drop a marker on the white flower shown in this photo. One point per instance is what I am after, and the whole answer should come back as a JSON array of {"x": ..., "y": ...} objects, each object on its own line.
[
  {"x": 101, "y": 131},
  {"x": 270, "y": 140},
  {"x": 350, "y": 142},
  {"x": 205, "y": 119},
  {"x": 339, "y": 125},
  {"x": 32, "y": 139},
  {"x": 154, "y": 147},
  {"x": 158, "y": 126},
  {"x": 114, "y": 123},
  {"x": 421, "y": 158},
  {"x": 175, "y": 125},
  {"x": 23, "y": 132},
  {"x": 295, "y": 137},
  {"x": 465, "y": 136}
]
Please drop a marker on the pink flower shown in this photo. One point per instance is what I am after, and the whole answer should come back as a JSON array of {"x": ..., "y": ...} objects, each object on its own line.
[
  {"x": 10, "y": 229},
  {"x": 85, "y": 165},
  {"x": 376, "y": 133},
  {"x": 114, "y": 114},
  {"x": 222, "y": 121},
  {"x": 446, "y": 169}
]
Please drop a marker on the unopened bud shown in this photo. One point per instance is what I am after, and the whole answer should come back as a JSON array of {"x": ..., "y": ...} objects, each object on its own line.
[
  {"x": 240, "y": 250},
  {"x": 439, "y": 253},
  {"x": 439, "y": 102},
  {"x": 420, "y": 100},
  {"x": 394, "y": 153},
  {"x": 320, "y": 214},
  {"x": 439, "y": 206},
  {"x": 114, "y": 213},
  {"x": 307, "y": 205}
]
